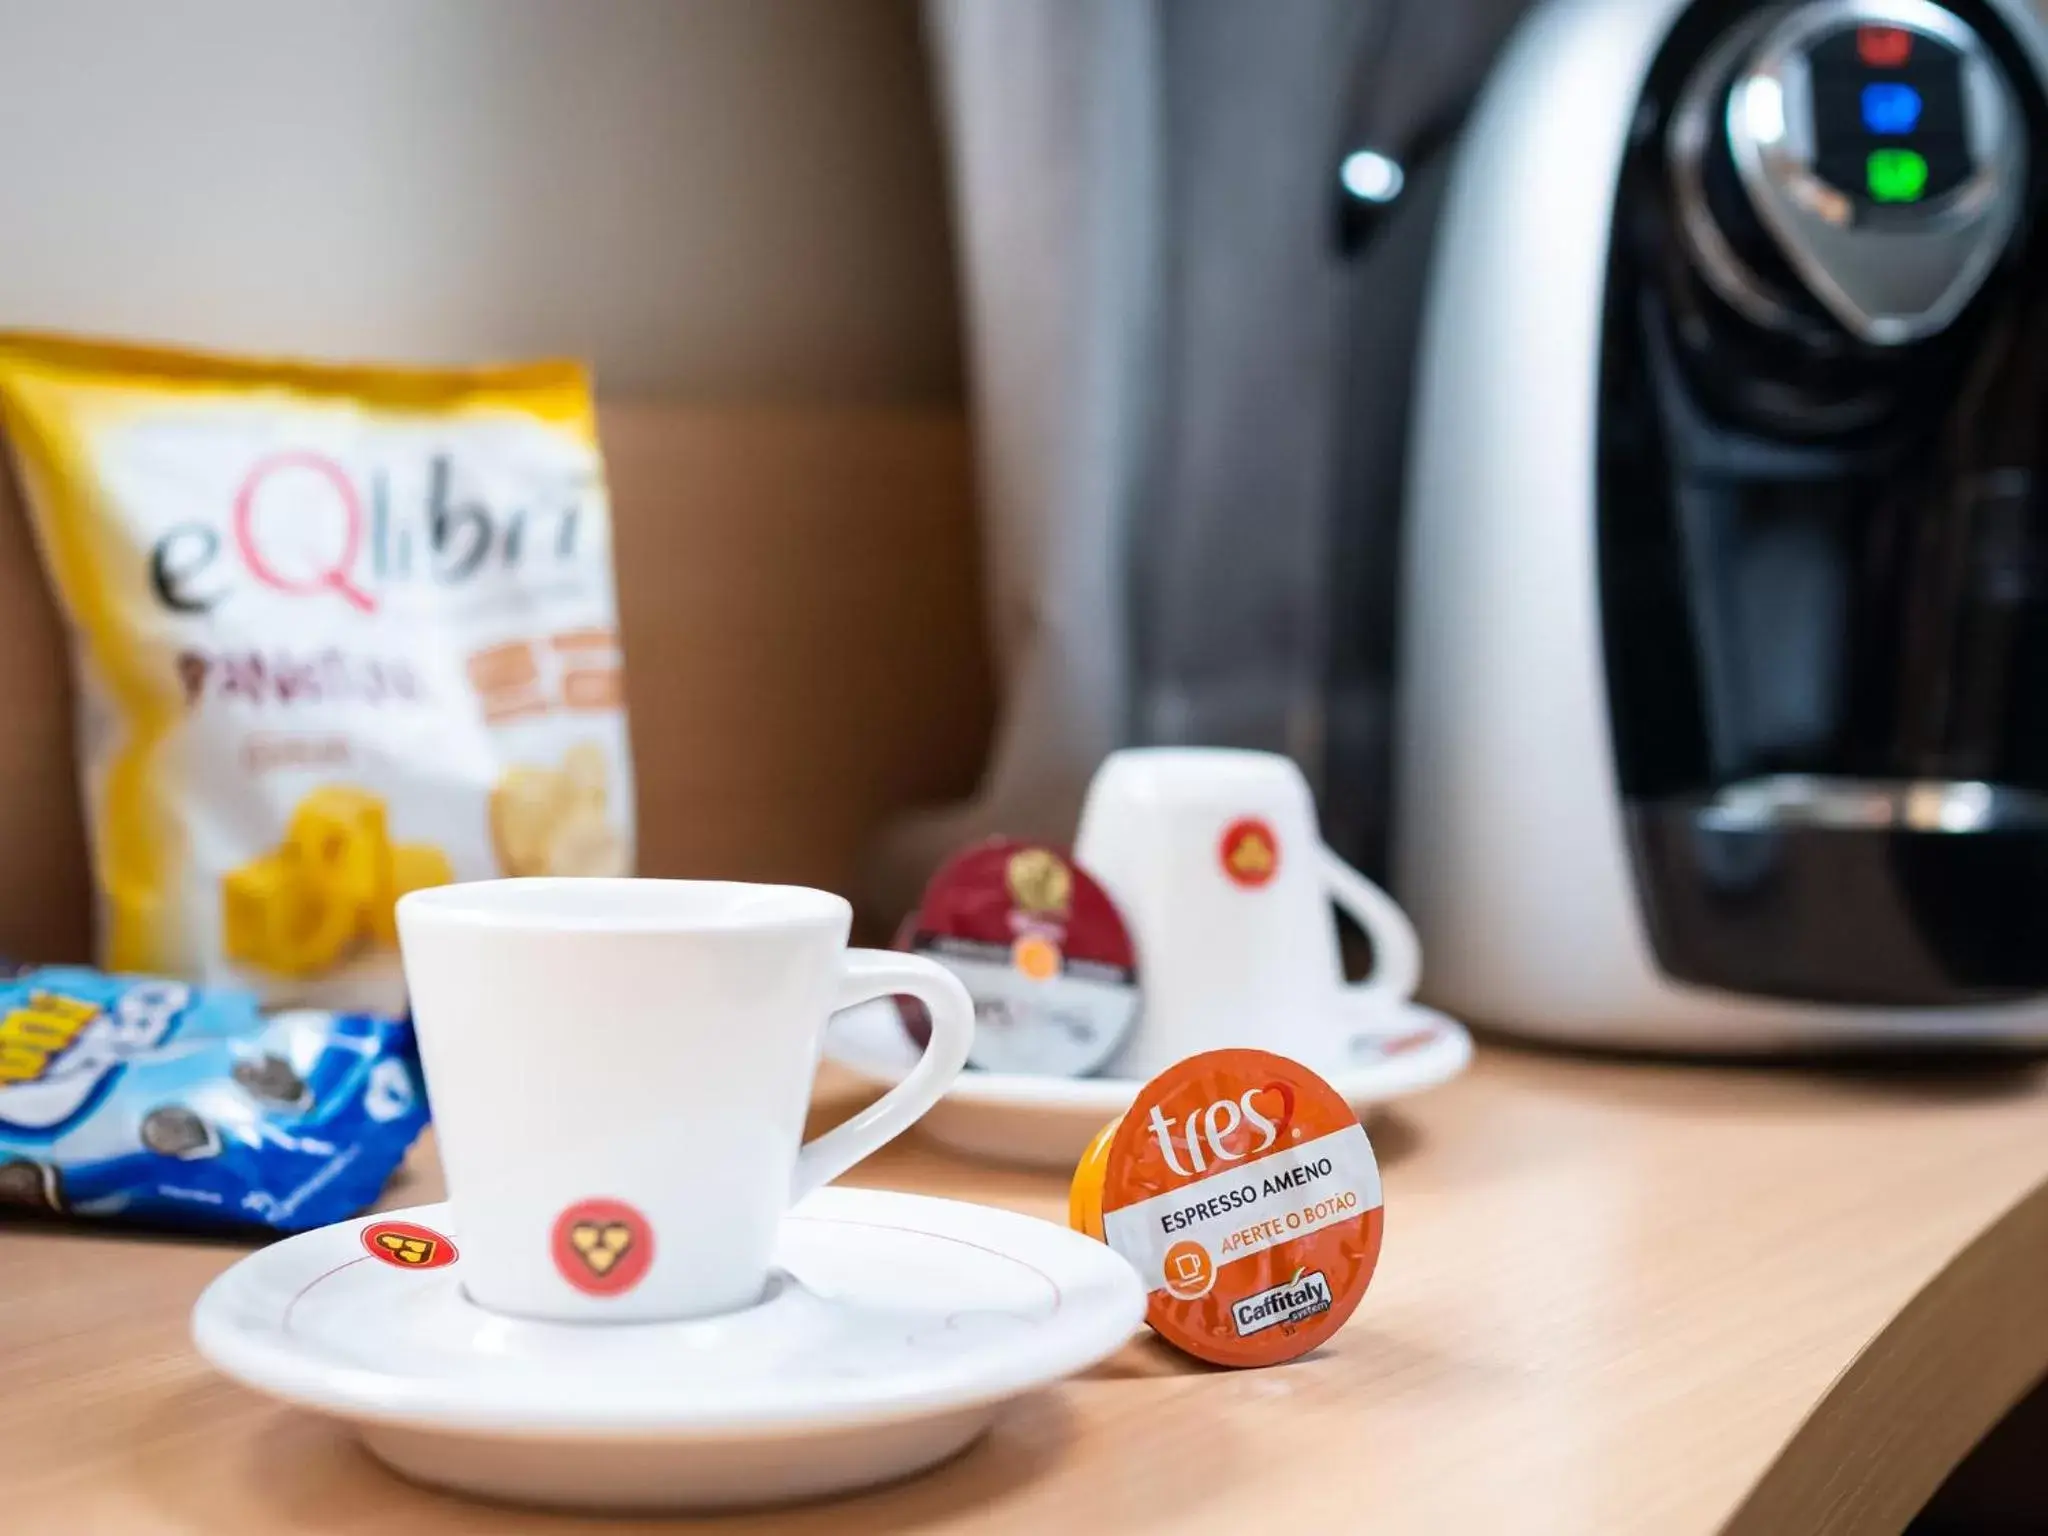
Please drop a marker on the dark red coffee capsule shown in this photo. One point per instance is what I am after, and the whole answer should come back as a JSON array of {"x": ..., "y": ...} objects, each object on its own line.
[{"x": 1041, "y": 949}]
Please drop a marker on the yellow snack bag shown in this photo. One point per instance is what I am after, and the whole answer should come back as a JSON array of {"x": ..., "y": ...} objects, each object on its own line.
[
  {"x": 525, "y": 806},
  {"x": 341, "y": 632},
  {"x": 251, "y": 898},
  {"x": 337, "y": 836},
  {"x": 279, "y": 917},
  {"x": 411, "y": 867}
]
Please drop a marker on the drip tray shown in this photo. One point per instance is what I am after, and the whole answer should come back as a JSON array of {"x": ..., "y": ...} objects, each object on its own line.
[{"x": 1849, "y": 891}]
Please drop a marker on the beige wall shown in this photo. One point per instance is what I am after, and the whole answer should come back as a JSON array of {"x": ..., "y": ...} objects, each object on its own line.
[{"x": 729, "y": 198}]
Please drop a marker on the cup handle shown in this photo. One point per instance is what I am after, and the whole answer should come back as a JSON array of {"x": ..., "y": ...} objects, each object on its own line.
[
  {"x": 866, "y": 975},
  {"x": 1396, "y": 952}
]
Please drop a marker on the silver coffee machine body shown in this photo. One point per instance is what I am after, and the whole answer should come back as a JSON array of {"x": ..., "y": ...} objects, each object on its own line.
[{"x": 1723, "y": 696}]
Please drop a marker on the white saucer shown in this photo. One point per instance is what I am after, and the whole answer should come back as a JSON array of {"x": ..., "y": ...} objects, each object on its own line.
[
  {"x": 894, "y": 1329},
  {"x": 1047, "y": 1122}
]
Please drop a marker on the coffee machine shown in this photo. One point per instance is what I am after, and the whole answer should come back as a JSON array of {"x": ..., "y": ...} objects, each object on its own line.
[{"x": 1723, "y": 695}]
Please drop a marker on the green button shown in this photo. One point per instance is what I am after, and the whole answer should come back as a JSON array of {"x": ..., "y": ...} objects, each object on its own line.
[{"x": 1896, "y": 175}]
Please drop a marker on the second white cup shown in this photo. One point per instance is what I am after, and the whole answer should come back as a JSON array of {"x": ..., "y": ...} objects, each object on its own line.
[
  {"x": 1215, "y": 859},
  {"x": 620, "y": 1070}
]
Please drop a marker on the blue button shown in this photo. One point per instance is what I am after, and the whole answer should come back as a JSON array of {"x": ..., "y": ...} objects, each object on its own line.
[{"x": 1890, "y": 107}]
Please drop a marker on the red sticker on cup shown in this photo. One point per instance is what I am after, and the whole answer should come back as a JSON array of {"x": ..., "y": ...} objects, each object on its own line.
[
  {"x": 1250, "y": 853},
  {"x": 406, "y": 1246},
  {"x": 603, "y": 1247},
  {"x": 1041, "y": 949}
]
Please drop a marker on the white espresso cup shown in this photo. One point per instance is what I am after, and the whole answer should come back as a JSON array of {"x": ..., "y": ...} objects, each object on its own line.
[
  {"x": 1214, "y": 858},
  {"x": 619, "y": 1072}
]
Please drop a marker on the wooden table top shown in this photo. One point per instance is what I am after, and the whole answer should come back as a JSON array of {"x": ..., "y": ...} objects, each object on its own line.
[{"x": 1614, "y": 1297}]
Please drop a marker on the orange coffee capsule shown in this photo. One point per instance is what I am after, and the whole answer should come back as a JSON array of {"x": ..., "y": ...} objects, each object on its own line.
[{"x": 1244, "y": 1191}]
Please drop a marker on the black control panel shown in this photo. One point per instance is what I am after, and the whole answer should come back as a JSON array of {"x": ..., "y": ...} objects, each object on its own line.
[
  {"x": 1888, "y": 115},
  {"x": 1823, "y": 542}
]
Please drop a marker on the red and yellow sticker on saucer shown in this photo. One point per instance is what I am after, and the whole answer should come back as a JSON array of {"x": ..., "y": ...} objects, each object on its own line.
[
  {"x": 1242, "y": 1188},
  {"x": 408, "y": 1246}
]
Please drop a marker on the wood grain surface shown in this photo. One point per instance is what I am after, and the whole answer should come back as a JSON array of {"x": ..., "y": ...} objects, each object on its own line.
[{"x": 1614, "y": 1298}]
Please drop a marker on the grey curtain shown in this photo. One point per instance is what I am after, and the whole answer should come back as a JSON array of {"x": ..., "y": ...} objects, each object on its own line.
[{"x": 1189, "y": 469}]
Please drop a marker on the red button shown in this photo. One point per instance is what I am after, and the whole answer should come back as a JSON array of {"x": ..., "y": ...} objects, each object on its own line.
[{"x": 1883, "y": 47}]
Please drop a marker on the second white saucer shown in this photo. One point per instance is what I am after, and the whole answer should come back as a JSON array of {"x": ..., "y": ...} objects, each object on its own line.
[
  {"x": 1047, "y": 1122},
  {"x": 895, "y": 1328}
]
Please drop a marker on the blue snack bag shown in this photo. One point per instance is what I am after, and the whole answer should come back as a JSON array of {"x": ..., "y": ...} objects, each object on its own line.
[{"x": 151, "y": 1100}]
